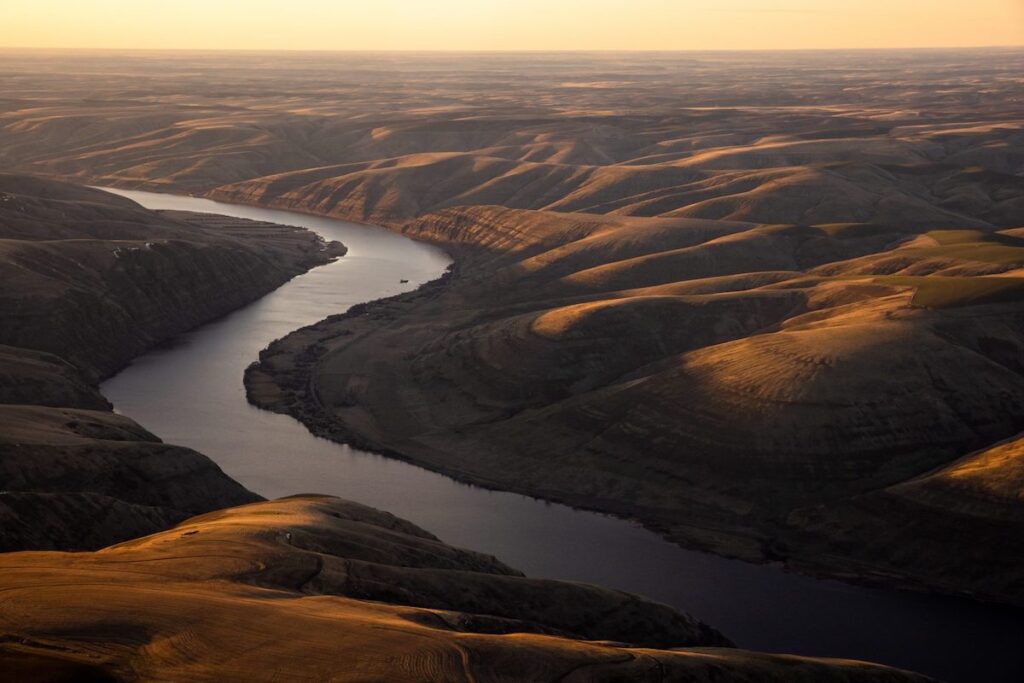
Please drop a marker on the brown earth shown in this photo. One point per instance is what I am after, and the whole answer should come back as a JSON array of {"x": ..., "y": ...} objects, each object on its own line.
[
  {"x": 90, "y": 281},
  {"x": 744, "y": 412},
  {"x": 96, "y": 279},
  {"x": 296, "y": 589},
  {"x": 751, "y": 299},
  {"x": 315, "y": 588}
]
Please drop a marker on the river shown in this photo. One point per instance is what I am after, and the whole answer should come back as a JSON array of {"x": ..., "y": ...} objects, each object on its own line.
[{"x": 190, "y": 392}]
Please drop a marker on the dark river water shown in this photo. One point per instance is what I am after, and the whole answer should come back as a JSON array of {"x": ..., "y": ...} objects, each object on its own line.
[{"x": 190, "y": 393}]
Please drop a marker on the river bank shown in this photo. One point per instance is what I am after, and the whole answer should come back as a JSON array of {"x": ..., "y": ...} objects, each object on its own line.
[
  {"x": 759, "y": 606},
  {"x": 91, "y": 281}
]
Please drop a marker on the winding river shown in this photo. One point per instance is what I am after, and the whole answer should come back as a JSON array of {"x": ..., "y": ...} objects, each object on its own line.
[{"x": 190, "y": 392}]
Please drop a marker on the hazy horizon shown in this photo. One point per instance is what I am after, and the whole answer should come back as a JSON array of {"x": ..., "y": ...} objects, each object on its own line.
[
  {"x": 512, "y": 341},
  {"x": 506, "y": 26},
  {"x": 471, "y": 51}
]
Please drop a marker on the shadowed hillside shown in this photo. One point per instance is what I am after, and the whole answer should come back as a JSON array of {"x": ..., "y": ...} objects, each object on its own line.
[
  {"x": 731, "y": 384},
  {"x": 295, "y": 589},
  {"x": 312, "y": 587},
  {"x": 754, "y": 300},
  {"x": 90, "y": 281}
]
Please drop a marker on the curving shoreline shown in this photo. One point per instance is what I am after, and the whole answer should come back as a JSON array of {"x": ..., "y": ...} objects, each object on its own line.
[
  {"x": 284, "y": 380},
  {"x": 93, "y": 281},
  {"x": 754, "y": 604},
  {"x": 370, "y": 392},
  {"x": 709, "y": 534},
  {"x": 768, "y": 304}
]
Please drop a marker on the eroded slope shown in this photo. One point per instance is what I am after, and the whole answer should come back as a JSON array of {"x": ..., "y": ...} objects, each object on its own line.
[
  {"x": 90, "y": 281},
  {"x": 314, "y": 587},
  {"x": 752, "y": 374}
]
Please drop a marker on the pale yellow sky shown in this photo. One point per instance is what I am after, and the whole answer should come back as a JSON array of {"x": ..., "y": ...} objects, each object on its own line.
[{"x": 510, "y": 24}]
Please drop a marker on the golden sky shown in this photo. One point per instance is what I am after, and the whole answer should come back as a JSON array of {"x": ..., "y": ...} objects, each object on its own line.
[{"x": 510, "y": 24}]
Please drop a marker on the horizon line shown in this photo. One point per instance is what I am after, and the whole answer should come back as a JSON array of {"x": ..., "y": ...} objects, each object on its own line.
[{"x": 33, "y": 48}]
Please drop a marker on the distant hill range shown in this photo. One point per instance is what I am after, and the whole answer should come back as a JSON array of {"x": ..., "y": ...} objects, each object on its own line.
[
  {"x": 769, "y": 304},
  {"x": 311, "y": 586}
]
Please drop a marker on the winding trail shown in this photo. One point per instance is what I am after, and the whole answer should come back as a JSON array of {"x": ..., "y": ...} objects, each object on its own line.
[{"x": 191, "y": 393}]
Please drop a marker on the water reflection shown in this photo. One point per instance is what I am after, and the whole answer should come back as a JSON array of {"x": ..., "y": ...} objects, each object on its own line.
[{"x": 191, "y": 393}]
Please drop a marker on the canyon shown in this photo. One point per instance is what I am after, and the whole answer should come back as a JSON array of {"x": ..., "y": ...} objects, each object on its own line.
[{"x": 769, "y": 305}]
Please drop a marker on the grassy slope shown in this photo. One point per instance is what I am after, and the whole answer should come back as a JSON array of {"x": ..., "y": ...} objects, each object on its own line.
[
  {"x": 811, "y": 339},
  {"x": 757, "y": 374},
  {"x": 312, "y": 587}
]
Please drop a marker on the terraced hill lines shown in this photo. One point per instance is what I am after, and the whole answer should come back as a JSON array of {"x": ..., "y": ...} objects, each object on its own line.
[
  {"x": 90, "y": 280},
  {"x": 696, "y": 374},
  {"x": 741, "y": 297},
  {"x": 313, "y": 587}
]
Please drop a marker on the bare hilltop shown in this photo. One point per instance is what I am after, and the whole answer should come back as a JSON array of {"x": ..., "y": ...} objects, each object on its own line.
[
  {"x": 107, "y": 574},
  {"x": 769, "y": 304}
]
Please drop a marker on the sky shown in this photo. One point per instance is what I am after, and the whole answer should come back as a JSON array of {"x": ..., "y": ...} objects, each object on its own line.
[{"x": 509, "y": 24}]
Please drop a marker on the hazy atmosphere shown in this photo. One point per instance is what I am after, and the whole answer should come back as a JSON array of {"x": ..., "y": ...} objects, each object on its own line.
[
  {"x": 512, "y": 342},
  {"x": 511, "y": 24}
]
